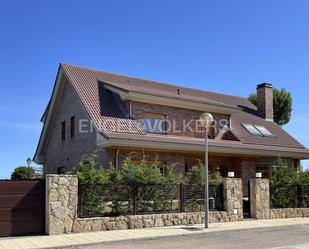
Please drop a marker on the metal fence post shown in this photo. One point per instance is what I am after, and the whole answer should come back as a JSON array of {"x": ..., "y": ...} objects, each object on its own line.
[
  {"x": 299, "y": 196},
  {"x": 79, "y": 201},
  {"x": 182, "y": 197},
  {"x": 135, "y": 194}
]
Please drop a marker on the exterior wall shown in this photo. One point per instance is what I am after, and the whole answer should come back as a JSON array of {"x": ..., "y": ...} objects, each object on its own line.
[
  {"x": 177, "y": 114},
  {"x": 233, "y": 198},
  {"x": 181, "y": 161},
  {"x": 249, "y": 165},
  {"x": 281, "y": 213},
  {"x": 69, "y": 152},
  {"x": 259, "y": 198},
  {"x": 145, "y": 221},
  {"x": 62, "y": 201},
  {"x": 177, "y": 159},
  {"x": 260, "y": 203},
  {"x": 244, "y": 167}
]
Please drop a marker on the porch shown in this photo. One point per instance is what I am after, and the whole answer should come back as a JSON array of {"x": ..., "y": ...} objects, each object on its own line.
[{"x": 243, "y": 166}]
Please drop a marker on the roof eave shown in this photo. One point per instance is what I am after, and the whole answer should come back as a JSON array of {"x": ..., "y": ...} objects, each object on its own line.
[
  {"x": 172, "y": 101},
  {"x": 38, "y": 157},
  {"x": 127, "y": 143}
]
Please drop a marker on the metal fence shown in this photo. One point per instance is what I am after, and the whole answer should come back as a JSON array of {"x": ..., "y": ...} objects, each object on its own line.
[
  {"x": 116, "y": 199},
  {"x": 289, "y": 196}
]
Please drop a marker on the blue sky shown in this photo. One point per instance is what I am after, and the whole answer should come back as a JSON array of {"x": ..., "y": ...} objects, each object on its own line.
[{"x": 226, "y": 46}]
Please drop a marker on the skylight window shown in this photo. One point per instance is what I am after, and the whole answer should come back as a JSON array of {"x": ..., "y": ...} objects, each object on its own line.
[
  {"x": 258, "y": 130},
  {"x": 264, "y": 131},
  {"x": 254, "y": 131}
]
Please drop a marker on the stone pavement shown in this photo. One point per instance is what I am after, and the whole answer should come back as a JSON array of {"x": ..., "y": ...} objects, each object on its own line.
[{"x": 44, "y": 241}]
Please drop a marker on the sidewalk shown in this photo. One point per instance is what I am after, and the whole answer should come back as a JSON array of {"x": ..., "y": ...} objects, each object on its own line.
[{"x": 44, "y": 241}]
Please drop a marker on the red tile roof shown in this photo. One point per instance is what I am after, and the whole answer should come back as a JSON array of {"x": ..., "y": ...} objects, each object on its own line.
[{"x": 86, "y": 84}]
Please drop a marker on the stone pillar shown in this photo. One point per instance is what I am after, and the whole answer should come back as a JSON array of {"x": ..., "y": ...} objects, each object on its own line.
[
  {"x": 61, "y": 203},
  {"x": 233, "y": 195},
  {"x": 259, "y": 198}
]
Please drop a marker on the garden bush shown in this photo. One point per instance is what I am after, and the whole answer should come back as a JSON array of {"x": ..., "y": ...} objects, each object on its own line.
[
  {"x": 195, "y": 192},
  {"x": 135, "y": 182},
  {"x": 289, "y": 188}
]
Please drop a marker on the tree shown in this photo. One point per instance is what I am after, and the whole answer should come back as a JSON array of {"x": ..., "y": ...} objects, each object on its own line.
[
  {"x": 21, "y": 173},
  {"x": 282, "y": 105}
]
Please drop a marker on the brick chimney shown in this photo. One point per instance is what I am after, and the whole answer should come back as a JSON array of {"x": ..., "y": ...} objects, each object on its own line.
[{"x": 265, "y": 101}]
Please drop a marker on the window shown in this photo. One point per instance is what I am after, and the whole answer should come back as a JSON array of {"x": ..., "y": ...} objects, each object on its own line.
[
  {"x": 252, "y": 130},
  {"x": 258, "y": 130},
  {"x": 163, "y": 170},
  {"x": 63, "y": 131},
  {"x": 61, "y": 170},
  {"x": 154, "y": 123},
  {"x": 72, "y": 127},
  {"x": 264, "y": 131}
]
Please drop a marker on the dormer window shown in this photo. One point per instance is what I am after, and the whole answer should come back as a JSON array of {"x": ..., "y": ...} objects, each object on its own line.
[
  {"x": 154, "y": 123},
  {"x": 258, "y": 130}
]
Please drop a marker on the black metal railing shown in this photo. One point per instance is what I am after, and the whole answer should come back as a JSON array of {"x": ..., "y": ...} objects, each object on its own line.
[
  {"x": 117, "y": 199},
  {"x": 194, "y": 197},
  {"x": 289, "y": 196}
]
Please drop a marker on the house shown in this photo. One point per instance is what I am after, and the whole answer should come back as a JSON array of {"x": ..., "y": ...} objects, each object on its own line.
[{"x": 117, "y": 116}]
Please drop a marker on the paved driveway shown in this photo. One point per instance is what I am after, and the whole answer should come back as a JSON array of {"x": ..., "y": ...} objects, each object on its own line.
[{"x": 285, "y": 237}]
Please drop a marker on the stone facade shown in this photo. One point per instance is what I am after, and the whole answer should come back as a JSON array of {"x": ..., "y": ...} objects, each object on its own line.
[
  {"x": 61, "y": 203},
  {"x": 259, "y": 198},
  {"x": 233, "y": 198},
  {"x": 145, "y": 221},
  {"x": 281, "y": 213},
  {"x": 61, "y": 210}
]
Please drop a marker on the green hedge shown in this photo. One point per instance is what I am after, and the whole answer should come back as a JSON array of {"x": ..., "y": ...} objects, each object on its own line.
[
  {"x": 107, "y": 190},
  {"x": 289, "y": 188}
]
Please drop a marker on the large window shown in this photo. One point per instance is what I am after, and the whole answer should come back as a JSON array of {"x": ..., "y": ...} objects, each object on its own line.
[{"x": 154, "y": 123}]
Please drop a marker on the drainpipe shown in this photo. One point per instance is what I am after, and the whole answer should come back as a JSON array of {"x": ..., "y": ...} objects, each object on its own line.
[{"x": 117, "y": 159}]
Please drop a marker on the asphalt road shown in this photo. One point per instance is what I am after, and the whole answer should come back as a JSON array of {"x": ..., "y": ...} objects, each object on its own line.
[{"x": 285, "y": 237}]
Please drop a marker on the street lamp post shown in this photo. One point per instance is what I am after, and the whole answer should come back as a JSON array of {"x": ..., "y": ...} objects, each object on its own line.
[
  {"x": 206, "y": 120},
  {"x": 29, "y": 161}
]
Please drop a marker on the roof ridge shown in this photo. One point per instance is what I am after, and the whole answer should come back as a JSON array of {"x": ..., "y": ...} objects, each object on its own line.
[{"x": 155, "y": 81}]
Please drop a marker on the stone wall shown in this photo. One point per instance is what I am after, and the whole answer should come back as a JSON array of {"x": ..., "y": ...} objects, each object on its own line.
[
  {"x": 61, "y": 203},
  {"x": 233, "y": 195},
  {"x": 145, "y": 221},
  {"x": 281, "y": 213},
  {"x": 61, "y": 210},
  {"x": 259, "y": 198}
]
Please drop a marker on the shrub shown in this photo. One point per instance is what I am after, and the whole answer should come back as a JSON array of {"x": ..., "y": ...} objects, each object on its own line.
[
  {"x": 141, "y": 180},
  {"x": 24, "y": 173},
  {"x": 91, "y": 172},
  {"x": 195, "y": 188},
  {"x": 197, "y": 176},
  {"x": 289, "y": 188}
]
